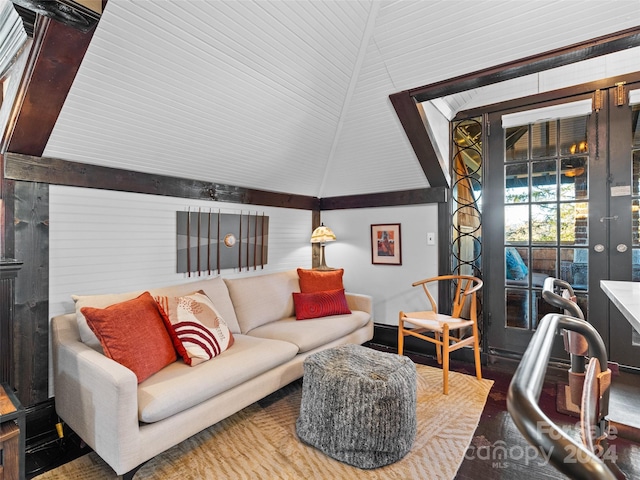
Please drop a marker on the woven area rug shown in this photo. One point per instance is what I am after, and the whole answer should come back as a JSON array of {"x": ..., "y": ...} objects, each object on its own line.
[{"x": 260, "y": 441}]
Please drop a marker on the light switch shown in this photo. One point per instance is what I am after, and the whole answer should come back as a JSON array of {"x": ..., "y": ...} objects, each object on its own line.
[{"x": 431, "y": 238}]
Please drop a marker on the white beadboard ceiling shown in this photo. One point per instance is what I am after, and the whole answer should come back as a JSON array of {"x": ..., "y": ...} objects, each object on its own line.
[{"x": 292, "y": 96}]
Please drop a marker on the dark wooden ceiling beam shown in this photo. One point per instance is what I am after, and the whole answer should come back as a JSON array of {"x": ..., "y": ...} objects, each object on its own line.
[
  {"x": 416, "y": 130},
  {"x": 54, "y": 60},
  {"x": 62, "y": 172},
  {"x": 577, "y": 52},
  {"x": 539, "y": 99},
  {"x": 386, "y": 199}
]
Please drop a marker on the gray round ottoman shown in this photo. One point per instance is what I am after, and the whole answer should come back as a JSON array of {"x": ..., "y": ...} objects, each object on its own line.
[{"x": 358, "y": 405}]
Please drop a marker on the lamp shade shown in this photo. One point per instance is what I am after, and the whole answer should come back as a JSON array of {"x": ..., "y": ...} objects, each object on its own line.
[{"x": 322, "y": 234}]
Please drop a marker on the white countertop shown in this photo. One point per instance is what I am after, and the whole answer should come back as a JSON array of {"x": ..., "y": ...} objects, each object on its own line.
[{"x": 625, "y": 296}]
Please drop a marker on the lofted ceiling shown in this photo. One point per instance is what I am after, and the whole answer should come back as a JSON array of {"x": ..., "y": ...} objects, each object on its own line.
[{"x": 292, "y": 96}]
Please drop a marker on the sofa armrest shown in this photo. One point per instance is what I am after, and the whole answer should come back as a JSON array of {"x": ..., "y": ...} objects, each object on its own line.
[
  {"x": 359, "y": 301},
  {"x": 95, "y": 395}
]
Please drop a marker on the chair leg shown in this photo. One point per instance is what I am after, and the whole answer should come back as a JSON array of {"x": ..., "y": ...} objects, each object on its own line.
[
  {"x": 438, "y": 345},
  {"x": 400, "y": 334},
  {"x": 445, "y": 359},
  {"x": 476, "y": 353}
]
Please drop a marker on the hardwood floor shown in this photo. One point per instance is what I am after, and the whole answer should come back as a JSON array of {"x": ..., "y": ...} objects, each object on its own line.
[{"x": 495, "y": 434}]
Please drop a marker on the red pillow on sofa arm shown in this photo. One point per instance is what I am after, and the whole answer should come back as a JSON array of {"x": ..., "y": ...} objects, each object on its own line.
[
  {"x": 320, "y": 280},
  {"x": 134, "y": 334},
  {"x": 320, "y": 304}
]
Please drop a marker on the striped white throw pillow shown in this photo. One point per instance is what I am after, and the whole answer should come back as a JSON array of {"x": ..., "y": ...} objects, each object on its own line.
[{"x": 199, "y": 332}]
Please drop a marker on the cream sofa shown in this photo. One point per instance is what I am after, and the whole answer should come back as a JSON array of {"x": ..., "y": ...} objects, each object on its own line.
[{"x": 127, "y": 423}]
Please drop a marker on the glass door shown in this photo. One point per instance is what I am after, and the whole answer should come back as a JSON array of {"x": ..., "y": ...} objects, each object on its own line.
[{"x": 560, "y": 194}]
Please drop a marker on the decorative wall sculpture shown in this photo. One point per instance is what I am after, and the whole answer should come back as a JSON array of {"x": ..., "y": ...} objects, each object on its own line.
[
  {"x": 211, "y": 241},
  {"x": 466, "y": 235}
]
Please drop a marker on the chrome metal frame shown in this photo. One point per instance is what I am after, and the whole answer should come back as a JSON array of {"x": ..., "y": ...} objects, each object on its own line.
[
  {"x": 552, "y": 298},
  {"x": 567, "y": 455},
  {"x": 549, "y": 286}
]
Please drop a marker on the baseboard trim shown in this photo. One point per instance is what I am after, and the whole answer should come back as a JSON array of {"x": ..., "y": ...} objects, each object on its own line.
[{"x": 41, "y": 420}]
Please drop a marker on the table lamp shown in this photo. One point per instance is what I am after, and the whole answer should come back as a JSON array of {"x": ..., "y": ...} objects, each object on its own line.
[{"x": 322, "y": 235}]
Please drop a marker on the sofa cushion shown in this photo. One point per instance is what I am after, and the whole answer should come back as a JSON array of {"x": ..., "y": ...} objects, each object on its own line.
[
  {"x": 214, "y": 288},
  {"x": 134, "y": 334},
  {"x": 198, "y": 331},
  {"x": 179, "y": 387},
  {"x": 261, "y": 299},
  {"x": 313, "y": 333},
  {"x": 320, "y": 304},
  {"x": 320, "y": 280}
]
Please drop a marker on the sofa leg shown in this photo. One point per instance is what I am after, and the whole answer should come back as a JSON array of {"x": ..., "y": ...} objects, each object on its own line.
[{"x": 130, "y": 474}]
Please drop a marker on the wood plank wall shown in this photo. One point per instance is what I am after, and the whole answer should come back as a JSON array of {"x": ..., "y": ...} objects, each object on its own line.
[{"x": 31, "y": 328}]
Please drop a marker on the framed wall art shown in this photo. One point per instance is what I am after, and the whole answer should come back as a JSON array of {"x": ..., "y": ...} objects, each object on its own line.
[
  {"x": 208, "y": 241},
  {"x": 386, "y": 248}
]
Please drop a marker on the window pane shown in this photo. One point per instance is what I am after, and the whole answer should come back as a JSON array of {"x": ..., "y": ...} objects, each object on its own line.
[
  {"x": 544, "y": 223},
  {"x": 541, "y": 308},
  {"x": 574, "y": 222},
  {"x": 544, "y": 180},
  {"x": 516, "y": 266},
  {"x": 468, "y": 162},
  {"x": 516, "y": 224},
  {"x": 516, "y": 308},
  {"x": 574, "y": 178},
  {"x": 516, "y": 178},
  {"x": 543, "y": 139},
  {"x": 516, "y": 143},
  {"x": 573, "y": 136},
  {"x": 543, "y": 262},
  {"x": 574, "y": 267}
]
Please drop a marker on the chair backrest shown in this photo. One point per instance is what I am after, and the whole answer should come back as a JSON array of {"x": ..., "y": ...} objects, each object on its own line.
[
  {"x": 465, "y": 287},
  {"x": 566, "y": 302}
]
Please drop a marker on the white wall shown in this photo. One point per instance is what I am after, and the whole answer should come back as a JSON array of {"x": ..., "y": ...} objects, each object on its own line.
[
  {"x": 107, "y": 242},
  {"x": 390, "y": 285}
]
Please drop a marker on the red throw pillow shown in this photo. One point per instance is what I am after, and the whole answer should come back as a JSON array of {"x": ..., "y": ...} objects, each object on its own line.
[
  {"x": 133, "y": 333},
  {"x": 320, "y": 280},
  {"x": 320, "y": 304}
]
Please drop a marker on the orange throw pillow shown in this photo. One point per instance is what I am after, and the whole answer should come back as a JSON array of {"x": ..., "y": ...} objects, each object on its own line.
[
  {"x": 134, "y": 334},
  {"x": 312, "y": 281}
]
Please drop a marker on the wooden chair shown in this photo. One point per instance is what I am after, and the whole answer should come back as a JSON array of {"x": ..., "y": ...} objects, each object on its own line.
[{"x": 441, "y": 325}]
